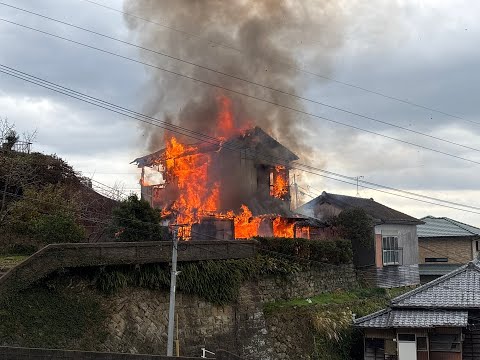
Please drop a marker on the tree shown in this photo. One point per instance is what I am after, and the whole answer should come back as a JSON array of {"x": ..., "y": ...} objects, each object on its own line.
[
  {"x": 16, "y": 173},
  {"x": 135, "y": 220},
  {"x": 355, "y": 225},
  {"x": 47, "y": 215}
]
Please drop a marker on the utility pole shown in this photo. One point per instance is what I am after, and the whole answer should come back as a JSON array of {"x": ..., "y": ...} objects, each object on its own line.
[
  {"x": 173, "y": 283},
  {"x": 358, "y": 178}
]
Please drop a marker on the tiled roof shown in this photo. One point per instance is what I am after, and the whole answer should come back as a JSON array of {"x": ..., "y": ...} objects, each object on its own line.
[
  {"x": 459, "y": 289},
  {"x": 442, "y": 302},
  {"x": 445, "y": 227},
  {"x": 380, "y": 213},
  {"x": 399, "y": 318}
]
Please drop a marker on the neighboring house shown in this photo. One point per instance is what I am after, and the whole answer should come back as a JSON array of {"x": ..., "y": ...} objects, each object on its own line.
[
  {"x": 394, "y": 254},
  {"x": 437, "y": 321},
  {"x": 445, "y": 244}
]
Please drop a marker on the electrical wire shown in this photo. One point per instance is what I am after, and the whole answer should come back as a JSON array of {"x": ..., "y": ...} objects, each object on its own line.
[
  {"x": 301, "y": 167},
  {"x": 329, "y": 78},
  {"x": 276, "y": 104},
  {"x": 245, "y": 80}
]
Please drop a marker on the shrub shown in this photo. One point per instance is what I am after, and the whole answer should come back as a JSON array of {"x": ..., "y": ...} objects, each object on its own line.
[
  {"x": 46, "y": 216},
  {"x": 323, "y": 251},
  {"x": 135, "y": 220},
  {"x": 355, "y": 225},
  {"x": 216, "y": 281}
]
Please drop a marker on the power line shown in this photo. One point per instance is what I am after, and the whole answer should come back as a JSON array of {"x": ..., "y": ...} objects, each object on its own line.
[
  {"x": 301, "y": 167},
  {"x": 245, "y": 80},
  {"x": 286, "y": 107},
  {"x": 303, "y": 70}
]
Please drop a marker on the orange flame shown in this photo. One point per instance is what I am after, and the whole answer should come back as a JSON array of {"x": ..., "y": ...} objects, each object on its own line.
[
  {"x": 196, "y": 197},
  {"x": 246, "y": 226},
  {"x": 280, "y": 185},
  {"x": 281, "y": 228}
]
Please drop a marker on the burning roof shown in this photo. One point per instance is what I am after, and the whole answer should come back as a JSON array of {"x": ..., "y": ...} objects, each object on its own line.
[{"x": 254, "y": 143}]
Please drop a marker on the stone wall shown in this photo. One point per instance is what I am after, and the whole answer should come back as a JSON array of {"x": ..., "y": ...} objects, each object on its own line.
[
  {"x": 58, "y": 256},
  {"x": 138, "y": 323}
]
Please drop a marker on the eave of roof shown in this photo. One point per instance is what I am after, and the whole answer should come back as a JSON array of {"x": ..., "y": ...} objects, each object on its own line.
[{"x": 407, "y": 318}]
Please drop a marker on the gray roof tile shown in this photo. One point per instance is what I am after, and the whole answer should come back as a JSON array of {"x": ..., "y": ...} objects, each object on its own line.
[
  {"x": 445, "y": 227},
  {"x": 399, "y": 318},
  {"x": 459, "y": 289}
]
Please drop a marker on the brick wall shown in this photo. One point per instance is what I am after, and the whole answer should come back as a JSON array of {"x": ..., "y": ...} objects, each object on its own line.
[{"x": 458, "y": 250}]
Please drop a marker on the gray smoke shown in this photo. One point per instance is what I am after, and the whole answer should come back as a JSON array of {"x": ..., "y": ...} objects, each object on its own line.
[{"x": 272, "y": 35}]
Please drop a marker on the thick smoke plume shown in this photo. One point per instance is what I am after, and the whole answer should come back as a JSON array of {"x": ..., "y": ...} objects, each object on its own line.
[{"x": 259, "y": 40}]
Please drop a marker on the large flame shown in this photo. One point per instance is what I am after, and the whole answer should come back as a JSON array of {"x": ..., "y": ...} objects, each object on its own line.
[
  {"x": 246, "y": 226},
  {"x": 282, "y": 228},
  {"x": 186, "y": 170},
  {"x": 196, "y": 197},
  {"x": 279, "y": 188}
]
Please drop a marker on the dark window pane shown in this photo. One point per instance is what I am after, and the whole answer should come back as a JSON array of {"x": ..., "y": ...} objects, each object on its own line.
[
  {"x": 436, "y": 260},
  {"x": 406, "y": 337},
  {"x": 421, "y": 343}
]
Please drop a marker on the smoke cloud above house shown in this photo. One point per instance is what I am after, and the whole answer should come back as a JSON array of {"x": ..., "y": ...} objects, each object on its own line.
[{"x": 262, "y": 41}]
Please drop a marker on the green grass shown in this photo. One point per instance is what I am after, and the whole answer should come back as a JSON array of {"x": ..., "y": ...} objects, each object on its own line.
[
  {"x": 356, "y": 296},
  {"x": 9, "y": 261},
  {"x": 330, "y": 315}
]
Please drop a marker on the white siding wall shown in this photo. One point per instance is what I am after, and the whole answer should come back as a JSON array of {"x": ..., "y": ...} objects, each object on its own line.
[{"x": 407, "y": 239}]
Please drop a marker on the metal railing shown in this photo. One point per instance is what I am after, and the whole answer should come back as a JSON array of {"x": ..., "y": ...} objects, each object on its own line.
[
  {"x": 392, "y": 256},
  {"x": 18, "y": 146},
  {"x": 205, "y": 352}
]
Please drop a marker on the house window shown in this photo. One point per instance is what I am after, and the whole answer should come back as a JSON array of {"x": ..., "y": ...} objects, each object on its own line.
[
  {"x": 421, "y": 343},
  {"x": 476, "y": 245},
  {"x": 445, "y": 342},
  {"x": 430, "y": 260},
  {"x": 390, "y": 250},
  {"x": 406, "y": 337}
]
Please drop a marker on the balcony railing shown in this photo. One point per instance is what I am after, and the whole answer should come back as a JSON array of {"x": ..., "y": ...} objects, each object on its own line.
[{"x": 393, "y": 256}]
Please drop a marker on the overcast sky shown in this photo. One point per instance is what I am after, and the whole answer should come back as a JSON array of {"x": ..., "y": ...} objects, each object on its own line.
[{"x": 423, "y": 51}]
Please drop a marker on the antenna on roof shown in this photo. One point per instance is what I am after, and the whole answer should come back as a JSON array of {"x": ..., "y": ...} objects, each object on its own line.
[{"x": 358, "y": 179}]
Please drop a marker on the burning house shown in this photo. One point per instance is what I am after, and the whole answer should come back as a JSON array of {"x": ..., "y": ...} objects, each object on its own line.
[
  {"x": 237, "y": 186},
  {"x": 234, "y": 181}
]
